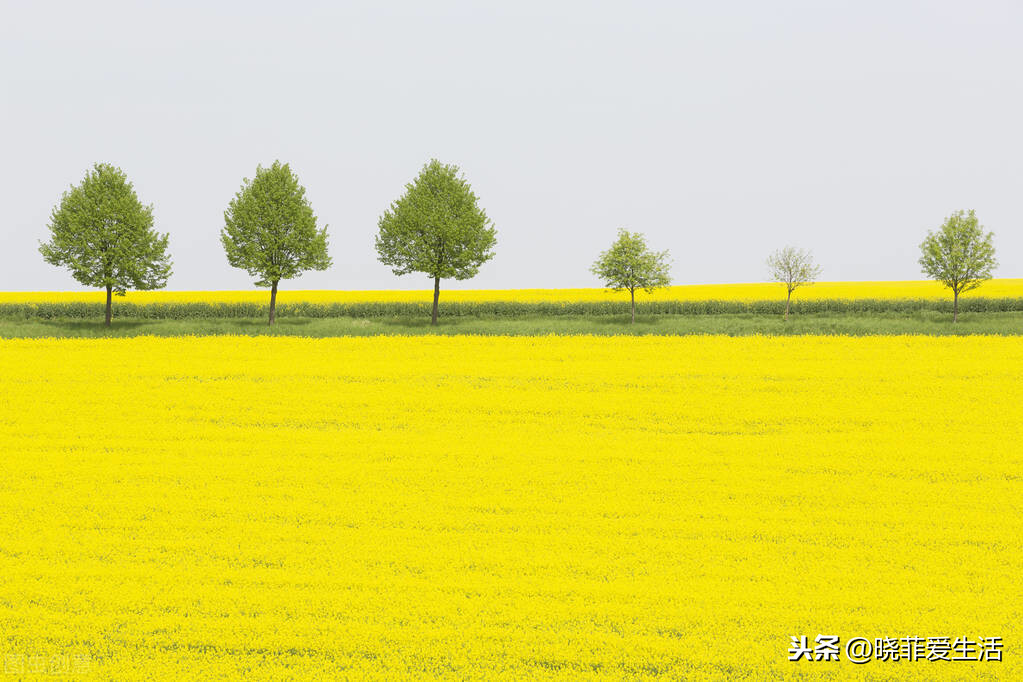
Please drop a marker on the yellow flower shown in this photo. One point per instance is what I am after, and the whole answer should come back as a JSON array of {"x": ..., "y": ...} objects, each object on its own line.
[
  {"x": 479, "y": 507},
  {"x": 998, "y": 288}
]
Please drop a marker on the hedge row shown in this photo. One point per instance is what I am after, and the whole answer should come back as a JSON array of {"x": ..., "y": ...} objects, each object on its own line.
[{"x": 496, "y": 308}]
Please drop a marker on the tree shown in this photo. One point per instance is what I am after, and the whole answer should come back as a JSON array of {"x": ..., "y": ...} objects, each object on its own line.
[
  {"x": 959, "y": 255},
  {"x": 630, "y": 265},
  {"x": 104, "y": 235},
  {"x": 792, "y": 267},
  {"x": 436, "y": 228},
  {"x": 270, "y": 230}
]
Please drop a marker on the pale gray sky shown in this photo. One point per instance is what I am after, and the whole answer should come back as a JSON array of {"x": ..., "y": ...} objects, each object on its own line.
[{"x": 721, "y": 130}]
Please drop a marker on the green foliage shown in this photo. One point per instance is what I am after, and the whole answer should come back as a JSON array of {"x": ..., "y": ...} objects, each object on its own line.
[
  {"x": 959, "y": 255},
  {"x": 270, "y": 230},
  {"x": 104, "y": 235},
  {"x": 504, "y": 309},
  {"x": 845, "y": 323},
  {"x": 630, "y": 265},
  {"x": 436, "y": 228}
]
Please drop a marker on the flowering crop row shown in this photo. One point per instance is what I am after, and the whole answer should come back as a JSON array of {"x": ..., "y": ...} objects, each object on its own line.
[
  {"x": 556, "y": 507},
  {"x": 996, "y": 296},
  {"x": 830, "y": 291}
]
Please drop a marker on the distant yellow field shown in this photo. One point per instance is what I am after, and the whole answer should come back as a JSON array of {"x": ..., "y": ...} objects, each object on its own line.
[
  {"x": 519, "y": 508},
  {"x": 997, "y": 288}
]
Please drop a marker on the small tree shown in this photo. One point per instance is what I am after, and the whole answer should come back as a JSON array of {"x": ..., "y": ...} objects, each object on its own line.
[
  {"x": 436, "y": 228},
  {"x": 270, "y": 230},
  {"x": 792, "y": 267},
  {"x": 959, "y": 255},
  {"x": 104, "y": 235},
  {"x": 630, "y": 265}
]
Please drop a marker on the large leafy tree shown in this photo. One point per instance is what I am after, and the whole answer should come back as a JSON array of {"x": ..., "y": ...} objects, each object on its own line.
[
  {"x": 630, "y": 265},
  {"x": 960, "y": 255},
  {"x": 104, "y": 235},
  {"x": 792, "y": 267},
  {"x": 436, "y": 228},
  {"x": 270, "y": 230}
]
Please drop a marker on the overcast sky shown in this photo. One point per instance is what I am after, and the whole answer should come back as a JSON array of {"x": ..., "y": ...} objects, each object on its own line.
[{"x": 721, "y": 130}]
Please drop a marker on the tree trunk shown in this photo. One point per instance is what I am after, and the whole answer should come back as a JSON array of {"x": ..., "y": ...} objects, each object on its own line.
[
  {"x": 273, "y": 302},
  {"x": 436, "y": 298},
  {"x": 109, "y": 299},
  {"x": 633, "y": 292},
  {"x": 955, "y": 307},
  {"x": 788, "y": 299}
]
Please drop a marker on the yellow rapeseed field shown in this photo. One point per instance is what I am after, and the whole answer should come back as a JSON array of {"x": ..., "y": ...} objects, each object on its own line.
[
  {"x": 516, "y": 508},
  {"x": 998, "y": 288}
]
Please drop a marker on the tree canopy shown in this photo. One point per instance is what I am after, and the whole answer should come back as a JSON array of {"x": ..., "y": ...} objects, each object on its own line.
[
  {"x": 792, "y": 267},
  {"x": 960, "y": 255},
  {"x": 436, "y": 228},
  {"x": 270, "y": 230},
  {"x": 630, "y": 265},
  {"x": 104, "y": 235}
]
